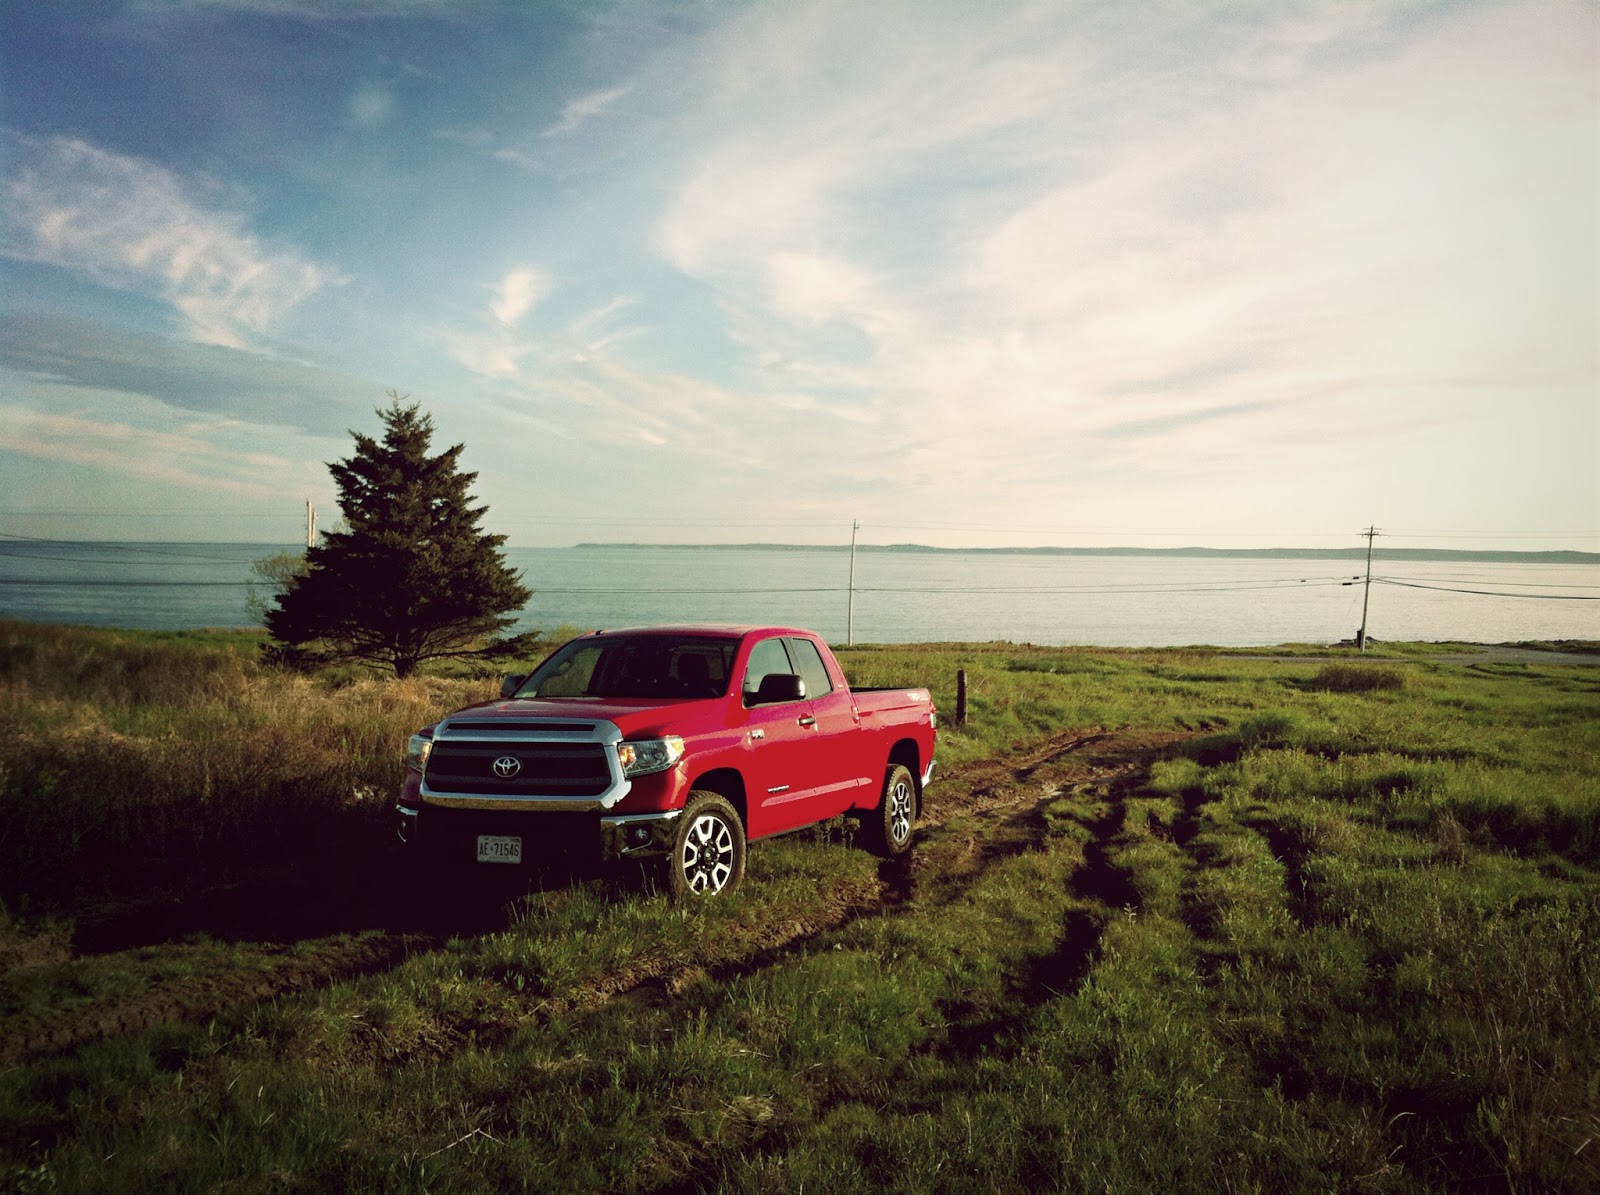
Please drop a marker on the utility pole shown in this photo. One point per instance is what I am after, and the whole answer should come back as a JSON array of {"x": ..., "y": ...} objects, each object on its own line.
[
  {"x": 850, "y": 616},
  {"x": 1361, "y": 635},
  {"x": 311, "y": 524}
]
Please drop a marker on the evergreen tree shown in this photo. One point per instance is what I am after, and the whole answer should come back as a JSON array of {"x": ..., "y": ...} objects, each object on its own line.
[{"x": 410, "y": 577}]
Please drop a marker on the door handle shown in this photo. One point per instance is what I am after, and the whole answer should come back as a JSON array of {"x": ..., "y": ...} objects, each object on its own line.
[{"x": 807, "y": 720}]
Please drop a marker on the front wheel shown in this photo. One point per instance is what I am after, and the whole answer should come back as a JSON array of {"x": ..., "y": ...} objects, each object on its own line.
[
  {"x": 707, "y": 849},
  {"x": 888, "y": 827}
]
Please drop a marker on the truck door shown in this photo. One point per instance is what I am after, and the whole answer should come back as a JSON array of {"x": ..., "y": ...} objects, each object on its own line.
[
  {"x": 839, "y": 761},
  {"x": 781, "y": 737}
]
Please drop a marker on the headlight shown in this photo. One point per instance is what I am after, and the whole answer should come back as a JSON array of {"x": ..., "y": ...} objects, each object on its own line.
[
  {"x": 418, "y": 748},
  {"x": 650, "y": 755}
]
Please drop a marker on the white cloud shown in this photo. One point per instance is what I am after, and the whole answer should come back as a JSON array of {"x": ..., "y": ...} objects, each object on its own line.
[
  {"x": 575, "y": 113},
  {"x": 371, "y": 105},
  {"x": 601, "y": 398},
  {"x": 193, "y": 455},
  {"x": 817, "y": 288},
  {"x": 517, "y": 292},
  {"x": 495, "y": 348},
  {"x": 1060, "y": 233},
  {"x": 488, "y": 352},
  {"x": 499, "y": 346},
  {"x": 130, "y": 224},
  {"x": 82, "y": 357},
  {"x": 745, "y": 202},
  {"x": 592, "y": 324},
  {"x": 517, "y": 158},
  {"x": 1028, "y": 255},
  {"x": 830, "y": 126}
]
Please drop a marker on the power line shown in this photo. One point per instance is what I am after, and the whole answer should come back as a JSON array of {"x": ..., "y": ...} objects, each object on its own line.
[
  {"x": 1422, "y": 533},
  {"x": 1549, "y": 597},
  {"x": 1043, "y": 590},
  {"x": 231, "y": 516},
  {"x": 1538, "y": 585},
  {"x": 160, "y": 553},
  {"x": 1037, "y": 590},
  {"x": 687, "y": 591},
  {"x": 127, "y": 584}
]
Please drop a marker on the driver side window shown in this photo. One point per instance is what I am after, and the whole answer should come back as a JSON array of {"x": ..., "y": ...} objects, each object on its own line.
[{"x": 766, "y": 658}]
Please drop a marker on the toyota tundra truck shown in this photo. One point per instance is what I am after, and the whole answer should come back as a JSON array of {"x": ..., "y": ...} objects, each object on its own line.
[{"x": 672, "y": 744}]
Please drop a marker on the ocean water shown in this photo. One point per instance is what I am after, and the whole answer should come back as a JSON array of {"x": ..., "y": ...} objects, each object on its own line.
[{"x": 897, "y": 597}]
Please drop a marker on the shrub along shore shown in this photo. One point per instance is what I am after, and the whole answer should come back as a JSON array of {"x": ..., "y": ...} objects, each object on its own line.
[{"x": 1178, "y": 918}]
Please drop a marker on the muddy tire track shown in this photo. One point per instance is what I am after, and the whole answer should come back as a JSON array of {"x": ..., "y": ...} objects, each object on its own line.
[
  {"x": 999, "y": 796},
  {"x": 1293, "y": 851},
  {"x": 995, "y": 801},
  {"x": 1106, "y": 888},
  {"x": 991, "y": 810},
  {"x": 980, "y": 815}
]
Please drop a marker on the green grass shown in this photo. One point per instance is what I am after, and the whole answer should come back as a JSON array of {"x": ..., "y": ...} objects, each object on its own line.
[{"x": 1329, "y": 935}]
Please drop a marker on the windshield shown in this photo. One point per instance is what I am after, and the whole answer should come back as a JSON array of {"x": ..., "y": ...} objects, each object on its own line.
[{"x": 654, "y": 666}]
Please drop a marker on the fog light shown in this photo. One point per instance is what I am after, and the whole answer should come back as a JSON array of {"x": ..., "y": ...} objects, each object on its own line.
[{"x": 638, "y": 835}]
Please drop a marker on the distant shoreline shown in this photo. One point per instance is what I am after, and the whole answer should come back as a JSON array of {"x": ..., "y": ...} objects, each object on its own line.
[
  {"x": 1357, "y": 553},
  {"x": 8, "y": 548}
]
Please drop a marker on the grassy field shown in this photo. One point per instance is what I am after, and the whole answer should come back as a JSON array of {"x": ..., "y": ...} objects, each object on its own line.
[{"x": 1177, "y": 920}]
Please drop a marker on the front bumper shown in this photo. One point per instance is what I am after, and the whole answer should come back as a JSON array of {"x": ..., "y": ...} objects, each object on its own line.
[
  {"x": 634, "y": 836},
  {"x": 559, "y": 793}
]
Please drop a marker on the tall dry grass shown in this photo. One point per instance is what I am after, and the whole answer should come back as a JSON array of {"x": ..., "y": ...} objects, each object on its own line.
[{"x": 131, "y": 760}]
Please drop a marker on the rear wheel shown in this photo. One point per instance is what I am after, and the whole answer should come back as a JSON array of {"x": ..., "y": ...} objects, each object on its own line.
[
  {"x": 888, "y": 827},
  {"x": 707, "y": 849}
]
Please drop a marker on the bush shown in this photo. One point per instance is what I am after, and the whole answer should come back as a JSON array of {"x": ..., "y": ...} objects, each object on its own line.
[{"x": 1357, "y": 678}]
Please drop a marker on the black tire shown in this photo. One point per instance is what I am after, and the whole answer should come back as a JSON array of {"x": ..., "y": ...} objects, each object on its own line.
[
  {"x": 888, "y": 827},
  {"x": 707, "y": 849}
]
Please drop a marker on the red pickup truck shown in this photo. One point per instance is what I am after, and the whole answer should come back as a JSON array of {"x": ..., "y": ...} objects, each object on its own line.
[{"x": 681, "y": 743}]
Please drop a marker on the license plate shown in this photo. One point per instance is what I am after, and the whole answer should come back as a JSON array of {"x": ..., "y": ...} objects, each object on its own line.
[{"x": 499, "y": 848}]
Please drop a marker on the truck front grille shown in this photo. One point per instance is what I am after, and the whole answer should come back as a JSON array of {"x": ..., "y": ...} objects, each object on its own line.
[{"x": 541, "y": 769}]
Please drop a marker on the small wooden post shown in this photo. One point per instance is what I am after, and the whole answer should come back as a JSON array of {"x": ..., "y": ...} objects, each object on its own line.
[{"x": 961, "y": 696}]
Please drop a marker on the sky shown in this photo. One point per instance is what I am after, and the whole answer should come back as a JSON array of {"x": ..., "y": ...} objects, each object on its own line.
[{"x": 967, "y": 274}]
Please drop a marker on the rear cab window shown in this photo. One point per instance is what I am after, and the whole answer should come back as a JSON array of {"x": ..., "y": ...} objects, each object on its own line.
[{"x": 808, "y": 664}]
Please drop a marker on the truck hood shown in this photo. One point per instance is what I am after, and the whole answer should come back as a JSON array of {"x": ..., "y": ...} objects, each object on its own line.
[{"x": 636, "y": 719}]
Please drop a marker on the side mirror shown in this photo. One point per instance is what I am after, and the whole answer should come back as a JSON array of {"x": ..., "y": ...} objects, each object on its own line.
[
  {"x": 513, "y": 682},
  {"x": 780, "y": 686}
]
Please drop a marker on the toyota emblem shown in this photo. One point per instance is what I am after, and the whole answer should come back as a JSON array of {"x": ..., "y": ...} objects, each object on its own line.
[{"x": 507, "y": 766}]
